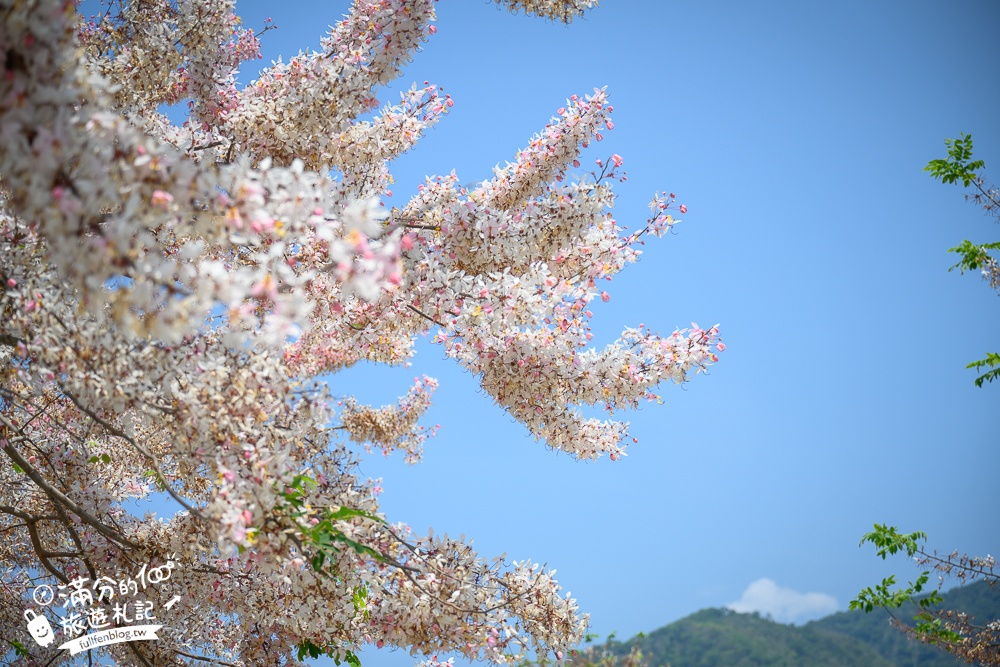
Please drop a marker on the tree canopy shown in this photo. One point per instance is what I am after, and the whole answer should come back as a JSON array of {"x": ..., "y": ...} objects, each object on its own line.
[{"x": 173, "y": 295}]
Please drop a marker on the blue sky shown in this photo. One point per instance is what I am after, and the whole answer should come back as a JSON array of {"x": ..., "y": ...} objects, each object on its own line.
[{"x": 796, "y": 134}]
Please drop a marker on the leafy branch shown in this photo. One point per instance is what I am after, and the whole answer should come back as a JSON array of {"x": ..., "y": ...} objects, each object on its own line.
[
  {"x": 960, "y": 167},
  {"x": 950, "y": 630},
  {"x": 992, "y": 361}
]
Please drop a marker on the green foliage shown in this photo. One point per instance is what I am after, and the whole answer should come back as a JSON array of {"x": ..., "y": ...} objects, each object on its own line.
[
  {"x": 979, "y": 600},
  {"x": 974, "y": 257},
  {"x": 309, "y": 650},
  {"x": 884, "y": 596},
  {"x": 324, "y": 536},
  {"x": 889, "y": 541},
  {"x": 359, "y": 597},
  {"x": 959, "y": 166},
  {"x": 953, "y": 632},
  {"x": 992, "y": 361},
  {"x": 19, "y": 649},
  {"x": 929, "y": 628},
  {"x": 156, "y": 479},
  {"x": 933, "y": 631}
]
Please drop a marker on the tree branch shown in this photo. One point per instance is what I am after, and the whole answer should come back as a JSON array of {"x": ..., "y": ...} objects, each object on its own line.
[
  {"x": 58, "y": 497},
  {"x": 36, "y": 542},
  {"x": 426, "y": 316},
  {"x": 153, "y": 460}
]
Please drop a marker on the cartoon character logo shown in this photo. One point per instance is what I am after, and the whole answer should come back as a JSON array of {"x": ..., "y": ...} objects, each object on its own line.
[{"x": 39, "y": 628}]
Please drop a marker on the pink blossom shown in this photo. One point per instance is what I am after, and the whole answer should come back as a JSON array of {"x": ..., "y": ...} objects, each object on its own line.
[{"x": 161, "y": 198}]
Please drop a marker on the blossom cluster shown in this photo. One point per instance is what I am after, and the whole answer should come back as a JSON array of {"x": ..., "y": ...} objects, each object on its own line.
[
  {"x": 173, "y": 296},
  {"x": 391, "y": 427},
  {"x": 562, "y": 10}
]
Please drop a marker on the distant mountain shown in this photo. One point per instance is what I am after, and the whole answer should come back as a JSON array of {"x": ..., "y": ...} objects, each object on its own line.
[{"x": 724, "y": 638}]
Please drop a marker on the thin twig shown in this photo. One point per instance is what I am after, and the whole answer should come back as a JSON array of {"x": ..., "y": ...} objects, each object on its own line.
[
  {"x": 201, "y": 657},
  {"x": 426, "y": 316}
]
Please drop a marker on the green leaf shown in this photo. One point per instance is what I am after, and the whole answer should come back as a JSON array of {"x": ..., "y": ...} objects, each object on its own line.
[
  {"x": 992, "y": 360},
  {"x": 349, "y": 512},
  {"x": 974, "y": 256},
  {"x": 19, "y": 648},
  {"x": 314, "y": 651},
  {"x": 933, "y": 631},
  {"x": 360, "y": 599},
  {"x": 310, "y": 650},
  {"x": 987, "y": 377},
  {"x": 352, "y": 659},
  {"x": 889, "y": 541},
  {"x": 160, "y": 486},
  {"x": 359, "y": 548},
  {"x": 959, "y": 166}
]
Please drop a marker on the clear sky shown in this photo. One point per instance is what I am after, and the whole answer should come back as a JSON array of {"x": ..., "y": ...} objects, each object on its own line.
[{"x": 796, "y": 133}]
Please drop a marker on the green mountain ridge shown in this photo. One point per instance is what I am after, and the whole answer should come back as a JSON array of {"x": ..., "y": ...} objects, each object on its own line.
[{"x": 725, "y": 638}]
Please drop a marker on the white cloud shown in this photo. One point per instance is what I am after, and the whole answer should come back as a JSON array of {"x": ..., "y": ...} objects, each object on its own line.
[{"x": 783, "y": 604}]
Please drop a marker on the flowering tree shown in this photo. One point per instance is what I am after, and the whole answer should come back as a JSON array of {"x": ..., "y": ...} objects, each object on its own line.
[{"x": 171, "y": 295}]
